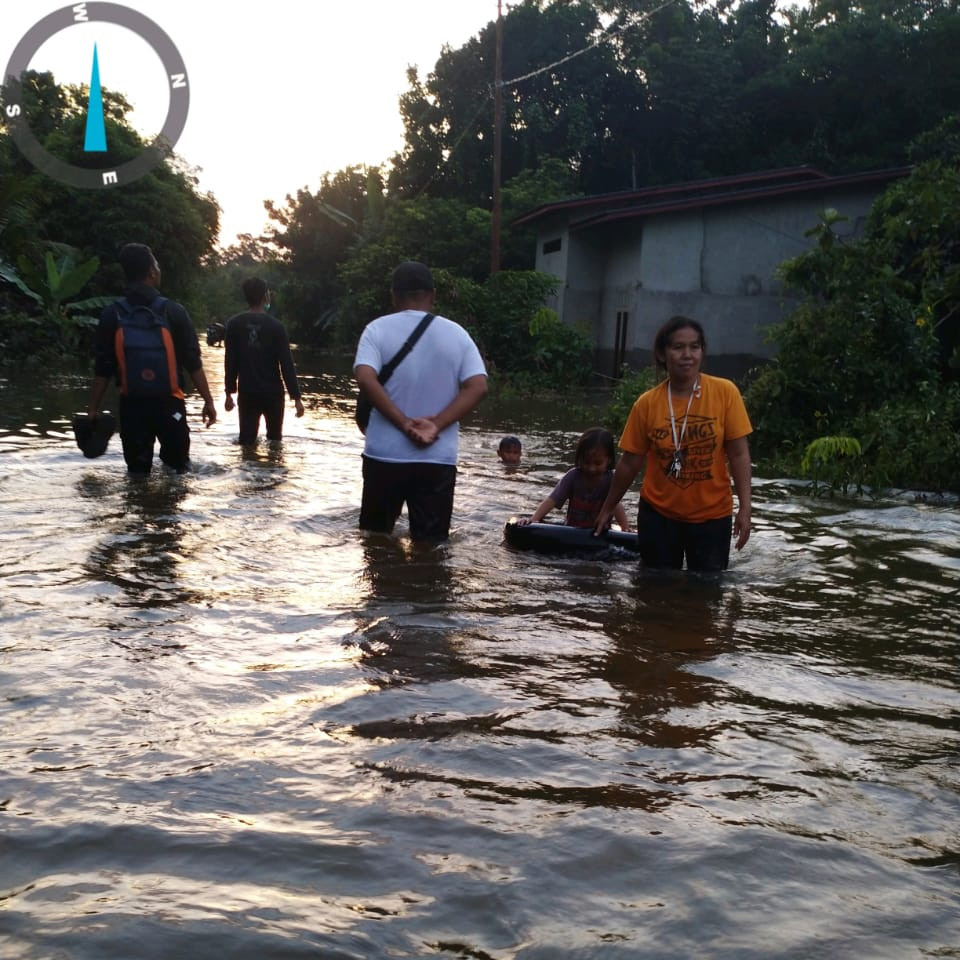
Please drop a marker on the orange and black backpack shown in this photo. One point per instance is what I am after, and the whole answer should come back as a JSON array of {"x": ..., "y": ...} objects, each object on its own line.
[{"x": 145, "y": 351}]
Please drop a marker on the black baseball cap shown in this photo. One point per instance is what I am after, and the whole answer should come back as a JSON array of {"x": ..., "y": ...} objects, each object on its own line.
[{"x": 411, "y": 276}]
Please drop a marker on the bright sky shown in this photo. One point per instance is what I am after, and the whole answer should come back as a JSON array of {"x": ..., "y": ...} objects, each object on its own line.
[{"x": 281, "y": 92}]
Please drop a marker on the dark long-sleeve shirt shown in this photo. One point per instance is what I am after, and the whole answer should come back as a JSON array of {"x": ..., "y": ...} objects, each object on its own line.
[{"x": 257, "y": 354}]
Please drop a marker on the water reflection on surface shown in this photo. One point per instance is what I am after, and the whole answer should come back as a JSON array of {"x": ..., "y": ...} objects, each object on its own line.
[{"x": 234, "y": 725}]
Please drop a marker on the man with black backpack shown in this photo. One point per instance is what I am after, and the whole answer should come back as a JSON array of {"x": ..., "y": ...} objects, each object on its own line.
[{"x": 144, "y": 341}]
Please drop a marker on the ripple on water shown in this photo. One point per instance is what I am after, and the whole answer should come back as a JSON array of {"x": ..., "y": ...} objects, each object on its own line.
[{"x": 235, "y": 726}]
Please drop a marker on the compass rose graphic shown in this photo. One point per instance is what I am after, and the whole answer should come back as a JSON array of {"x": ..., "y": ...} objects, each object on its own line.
[{"x": 95, "y": 139}]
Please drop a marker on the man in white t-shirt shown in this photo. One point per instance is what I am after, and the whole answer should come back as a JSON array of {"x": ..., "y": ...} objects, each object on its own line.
[{"x": 410, "y": 454}]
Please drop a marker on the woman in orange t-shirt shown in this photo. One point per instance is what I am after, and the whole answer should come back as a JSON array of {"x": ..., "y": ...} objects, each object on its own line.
[{"x": 685, "y": 430}]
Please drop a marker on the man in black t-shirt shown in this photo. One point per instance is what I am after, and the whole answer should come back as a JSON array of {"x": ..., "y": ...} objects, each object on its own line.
[{"x": 258, "y": 360}]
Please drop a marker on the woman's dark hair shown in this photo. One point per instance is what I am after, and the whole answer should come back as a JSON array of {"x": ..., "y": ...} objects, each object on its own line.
[
  {"x": 592, "y": 439},
  {"x": 662, "y": 339}
]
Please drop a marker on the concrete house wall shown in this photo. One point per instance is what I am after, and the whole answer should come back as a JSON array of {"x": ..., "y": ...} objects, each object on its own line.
[{"x": 623, "y": 275}]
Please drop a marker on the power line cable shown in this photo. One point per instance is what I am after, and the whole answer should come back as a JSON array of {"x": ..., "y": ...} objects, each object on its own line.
[
  {"x": 456, "y": 143},
  {"x": 606, "y": 35},
  {"x": 609, "y": 34}
]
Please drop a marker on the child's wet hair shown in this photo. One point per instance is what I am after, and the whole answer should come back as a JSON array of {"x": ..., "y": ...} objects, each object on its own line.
[
  {"x": 590, "y": 440},
  {"x": 510, "y": 443}
]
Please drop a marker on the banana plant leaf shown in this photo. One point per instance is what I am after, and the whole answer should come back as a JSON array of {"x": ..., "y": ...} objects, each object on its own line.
[{"x": 9, "y": 273}]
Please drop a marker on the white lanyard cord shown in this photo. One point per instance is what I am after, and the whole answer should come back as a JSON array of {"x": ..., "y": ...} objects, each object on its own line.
[{"x": 673, "y": 422}]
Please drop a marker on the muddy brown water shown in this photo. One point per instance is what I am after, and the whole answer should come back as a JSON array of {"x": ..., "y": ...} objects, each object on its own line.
[{"x": 235, "y": 727}]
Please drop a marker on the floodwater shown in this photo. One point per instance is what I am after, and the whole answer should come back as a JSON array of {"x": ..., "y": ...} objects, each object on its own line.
[{"x": 234, "y": 727}]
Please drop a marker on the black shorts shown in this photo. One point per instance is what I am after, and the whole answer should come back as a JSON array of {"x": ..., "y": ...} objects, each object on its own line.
[
  {"x": 664, "y": 542},
  {"x": 251, "y": 407},
  {"x": 146, "y": 420},
  {"x": 426, "y": 488}
]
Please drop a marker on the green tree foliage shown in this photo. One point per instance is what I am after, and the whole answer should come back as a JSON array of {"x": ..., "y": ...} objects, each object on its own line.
[
  {"x": 579, "y": 112},
  {"x": 53, "y": 284},
  {"x": 918, "y": 222},
  {"x": 833, "y": 461},
  {"x": 913, "y": 440},
  {"x": 839, "y": 84},
  {"x": 562, "y": 355},
  {"x": 870, "y": 354},
  {"x": 870, "y": 76},
  {"x": 518, "y": 337},
  {"x": 505, "y": 318},
  {"x": 552, "y": 180},
  {"x": 162, "y": 208},
  {"x": 701, "y": 66},
  {"x": 334, "y": 270},
  {"x": 624, "y": 395},
  {"x": 646, "y": 93},
  {"x": 446, "y": 234},
  {"x": 504, "y": 313},
  {"x": 314, "y": 234},
  {"x": 609, "y": 96},
  {"x": 219, "y": 294},
  {"x": 15, "y": 228}
]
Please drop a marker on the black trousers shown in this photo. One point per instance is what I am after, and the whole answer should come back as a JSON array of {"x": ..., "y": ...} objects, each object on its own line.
[
  {"x": 664, "y": 542},
  {"x": 145, "y": 420},
  {"x": 251, "y": 407},
  {"x": 426, "y": 488}
]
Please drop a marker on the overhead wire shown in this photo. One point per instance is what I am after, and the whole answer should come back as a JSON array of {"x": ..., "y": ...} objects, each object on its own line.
[{"x": 604, "y": 36}]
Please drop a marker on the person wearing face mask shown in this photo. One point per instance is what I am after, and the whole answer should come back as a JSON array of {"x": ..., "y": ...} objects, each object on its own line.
[
  {"x": 258, "y": 365},
  {"x": 689, "y": 435}
]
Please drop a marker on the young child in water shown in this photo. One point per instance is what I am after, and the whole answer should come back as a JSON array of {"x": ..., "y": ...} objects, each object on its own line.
[
  {"x": 586, "y": 485},
  {"x": 510, "y": 451}
]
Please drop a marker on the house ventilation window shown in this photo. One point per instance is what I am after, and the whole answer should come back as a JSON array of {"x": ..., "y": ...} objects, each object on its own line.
[{"x": 552, "y": 246}]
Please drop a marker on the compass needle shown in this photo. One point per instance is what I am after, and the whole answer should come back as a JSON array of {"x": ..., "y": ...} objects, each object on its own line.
[{"x": 95, "y": 137}]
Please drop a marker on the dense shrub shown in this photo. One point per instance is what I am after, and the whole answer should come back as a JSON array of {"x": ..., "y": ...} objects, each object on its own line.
[
  {"x": 524, "y": 340},
  {"x": 625, "y": 393},
  {"x": 871, "y": 353}
]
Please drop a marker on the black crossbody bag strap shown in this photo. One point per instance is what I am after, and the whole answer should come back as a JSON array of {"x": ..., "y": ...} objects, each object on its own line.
[{"x": 387, "y": 372}]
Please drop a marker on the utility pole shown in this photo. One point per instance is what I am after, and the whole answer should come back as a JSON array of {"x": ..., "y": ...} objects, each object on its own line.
[{"x": 497, "y": 214}]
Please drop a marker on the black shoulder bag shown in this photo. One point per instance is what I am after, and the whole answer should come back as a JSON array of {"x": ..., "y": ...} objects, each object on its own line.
[{"x": 364, "y": 406}]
